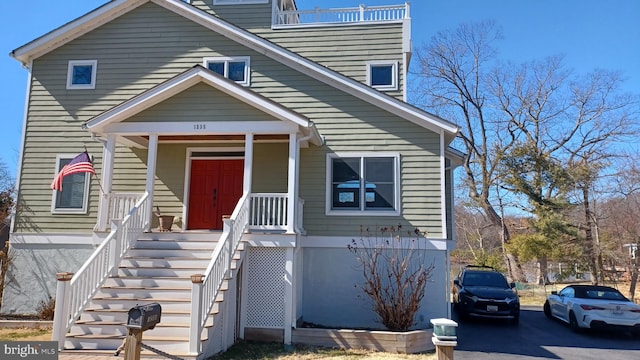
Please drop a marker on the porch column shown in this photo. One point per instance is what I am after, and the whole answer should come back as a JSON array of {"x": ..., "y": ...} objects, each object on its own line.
[
  {"x": 292, "y": 183},
  {"x": 152, "y": 158},
  {"x": 108, "y": 154},
  {"x": 248, "y": 163}
]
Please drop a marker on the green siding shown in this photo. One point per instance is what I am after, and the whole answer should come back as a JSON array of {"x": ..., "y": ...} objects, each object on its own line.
[
  {"x": 149, "y": 45},
  {"x": 344, "y": 48}
]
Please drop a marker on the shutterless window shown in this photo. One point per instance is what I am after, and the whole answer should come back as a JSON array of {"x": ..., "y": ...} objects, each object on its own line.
[
  {"x": 236, "y": 69},
  {"x": 81, "y": 74},
  {"x": 364, "y": 184},
  {"x": 383, "y": 75},
  {"x": 75, "y": 190}
]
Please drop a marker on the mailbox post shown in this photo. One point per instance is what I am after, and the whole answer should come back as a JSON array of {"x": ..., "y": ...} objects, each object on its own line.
[
  {"x": 140, "y": 318},
  {"x": 444, "y": 338}
]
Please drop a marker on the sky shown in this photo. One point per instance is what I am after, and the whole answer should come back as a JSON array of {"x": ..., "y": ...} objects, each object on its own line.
[{"x": 590, "y": 34}]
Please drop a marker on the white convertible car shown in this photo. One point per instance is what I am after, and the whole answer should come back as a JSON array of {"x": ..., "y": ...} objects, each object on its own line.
[{"x": 594, "y": 307}]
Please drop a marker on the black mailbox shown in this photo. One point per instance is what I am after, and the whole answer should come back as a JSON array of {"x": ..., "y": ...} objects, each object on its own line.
[{"x": 144, "y": 317}]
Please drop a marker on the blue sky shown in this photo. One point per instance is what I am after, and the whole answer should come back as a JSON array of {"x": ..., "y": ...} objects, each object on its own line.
[{"x": 590, "y": 33}]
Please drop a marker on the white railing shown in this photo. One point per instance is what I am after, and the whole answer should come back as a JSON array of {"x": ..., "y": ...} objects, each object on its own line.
[
  {"x": 117, "y": 206},
  {"x": 206, "y": 287},
  {"x": 268, "y": 211},
  {"x": 74, "y": 297},
  {"x": 361, "y": 14}
]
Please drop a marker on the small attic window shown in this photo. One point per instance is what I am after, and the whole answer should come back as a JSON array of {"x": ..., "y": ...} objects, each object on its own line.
[
  {"x": 382, "y": 75},
  {"x": 233, "y": 68},
  {"x": 81, "y": 74},
  {"x": 234, "y": 2}
]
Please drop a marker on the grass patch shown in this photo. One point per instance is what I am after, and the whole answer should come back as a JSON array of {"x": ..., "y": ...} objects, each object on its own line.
[
  {"x": 25, "y": 334},
  {"x": 250, "y": 350}
]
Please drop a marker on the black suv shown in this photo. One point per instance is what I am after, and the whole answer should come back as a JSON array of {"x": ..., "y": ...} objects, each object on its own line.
[{"x": 481, "y": 291}]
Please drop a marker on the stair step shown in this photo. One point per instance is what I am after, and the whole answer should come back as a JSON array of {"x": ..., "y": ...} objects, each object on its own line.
[
  {"x": 182, "y": 262},
  {"x": 168, "y": 244},
  {"x": 170, "y": 253},
  {"x": 156, "y": 272}
]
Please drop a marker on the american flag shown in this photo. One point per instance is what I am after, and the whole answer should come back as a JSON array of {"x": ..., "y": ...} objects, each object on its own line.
[{"x": 79, "y": 164}]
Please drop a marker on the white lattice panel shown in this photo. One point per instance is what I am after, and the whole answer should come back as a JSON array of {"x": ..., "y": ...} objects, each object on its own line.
[{"x": 266, "y": 287}]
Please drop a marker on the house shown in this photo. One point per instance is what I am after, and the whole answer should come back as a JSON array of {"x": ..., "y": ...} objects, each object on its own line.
[{"x": 271, "y": 134}]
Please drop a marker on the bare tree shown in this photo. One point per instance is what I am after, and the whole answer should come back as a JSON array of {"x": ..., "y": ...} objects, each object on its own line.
[
  {"x": 533, "y": 129},
  {"x": 455, "y": 83}
]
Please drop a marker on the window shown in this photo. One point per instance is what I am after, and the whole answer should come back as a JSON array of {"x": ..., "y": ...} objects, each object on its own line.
[
  {"x": 81, "y": 74},
  {"x": 382, "y": 75},
  {"x": 233, "y": 68},
  {"x": 232, "y": 2},
  {"x": 362, "y": 184},
  {"x": 75, "y": 190}
]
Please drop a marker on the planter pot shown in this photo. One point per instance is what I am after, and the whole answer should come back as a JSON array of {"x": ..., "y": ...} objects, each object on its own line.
[
  {"x": 165, "y": 222},
  {"x": 401, "y": 342}
]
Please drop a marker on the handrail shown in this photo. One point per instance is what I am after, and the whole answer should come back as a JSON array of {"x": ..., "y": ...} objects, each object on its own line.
[
  {"x": 105, "y": 259},
  {"x": 218, "y": 269},
  {"x": 354, "y": 15}
]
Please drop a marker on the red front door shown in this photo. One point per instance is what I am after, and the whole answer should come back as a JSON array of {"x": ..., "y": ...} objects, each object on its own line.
[{"x": 214, "y": 191}]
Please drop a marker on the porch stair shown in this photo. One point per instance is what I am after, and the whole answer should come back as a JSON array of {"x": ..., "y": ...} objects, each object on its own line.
[{"x": 157, "y": 269}]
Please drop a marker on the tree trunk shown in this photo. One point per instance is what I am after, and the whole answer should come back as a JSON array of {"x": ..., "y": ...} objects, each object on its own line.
[
  {"x": 634, "y": 275},
  {"x": 591, "y": 246},
  {"x": 543, "y": 275},
  {"x": 511, "y": 261}
]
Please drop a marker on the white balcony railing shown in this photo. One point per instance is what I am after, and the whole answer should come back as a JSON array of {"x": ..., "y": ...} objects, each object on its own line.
[{"x": 345, "y": 16}]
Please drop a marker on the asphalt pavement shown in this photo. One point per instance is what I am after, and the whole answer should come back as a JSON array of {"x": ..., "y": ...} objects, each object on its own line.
[{"x": 537, "y": 337}]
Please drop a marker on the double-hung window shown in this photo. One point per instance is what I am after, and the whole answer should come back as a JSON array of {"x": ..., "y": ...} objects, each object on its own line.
[
  {"x": 363, "y": 184},
  {"x": 233, "y": 68},
  {"x": 75, "y": 190},
  {"x": 382, "y": 75},
  {"x": 81, "y": 74}
]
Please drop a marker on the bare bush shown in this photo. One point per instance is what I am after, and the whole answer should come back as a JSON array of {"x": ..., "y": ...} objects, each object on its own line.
[{"x": 395, "y": 274}]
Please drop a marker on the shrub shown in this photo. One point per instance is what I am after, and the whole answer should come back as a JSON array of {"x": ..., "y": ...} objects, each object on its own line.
[
  {"x": 394, "y": 272},
  {"x": 46, "y": 309}
]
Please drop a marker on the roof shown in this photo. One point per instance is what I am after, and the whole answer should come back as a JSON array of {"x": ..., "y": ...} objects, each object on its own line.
[{"x": 116, "y": 8}]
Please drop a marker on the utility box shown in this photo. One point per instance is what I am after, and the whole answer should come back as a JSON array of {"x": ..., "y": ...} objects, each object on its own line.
[{"x": 144, "y": 317}]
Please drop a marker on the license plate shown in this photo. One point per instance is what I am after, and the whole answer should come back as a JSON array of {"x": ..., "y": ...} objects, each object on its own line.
[
  {"x": 617, "y": 312},
  {"x": 492, "y": 308}
]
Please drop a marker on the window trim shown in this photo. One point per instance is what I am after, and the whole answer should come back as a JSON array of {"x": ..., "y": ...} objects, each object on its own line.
[
  {"x": 394, "y": 74},
  {"x": 236, "y": 2},
  {"x": 396, "y": 211},
  {"x": 94, "y": 71},
  {"x": 226, "y": 60},
  {"x": 55, "y": 193}
]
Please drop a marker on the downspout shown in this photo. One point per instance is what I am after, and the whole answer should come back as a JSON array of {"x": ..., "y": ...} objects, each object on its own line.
[{"x": 294, "y": 283}]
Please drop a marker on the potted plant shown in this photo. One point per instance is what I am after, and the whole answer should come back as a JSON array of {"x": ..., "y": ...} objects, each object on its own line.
[{"x": 165, "y": 220}]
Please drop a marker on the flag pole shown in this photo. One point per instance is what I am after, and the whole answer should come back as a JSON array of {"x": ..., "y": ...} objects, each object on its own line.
[{"x": 94, "y": 174}]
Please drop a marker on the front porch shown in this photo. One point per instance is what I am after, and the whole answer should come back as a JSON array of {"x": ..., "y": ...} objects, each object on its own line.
[{"x": 267, "y": 213}]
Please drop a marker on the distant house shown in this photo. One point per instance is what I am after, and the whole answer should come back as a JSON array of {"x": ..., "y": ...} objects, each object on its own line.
[{"x": 270, "y": 134}]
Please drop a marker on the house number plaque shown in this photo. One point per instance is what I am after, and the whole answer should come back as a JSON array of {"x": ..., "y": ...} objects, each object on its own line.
[{"x": 199, "y": 127}]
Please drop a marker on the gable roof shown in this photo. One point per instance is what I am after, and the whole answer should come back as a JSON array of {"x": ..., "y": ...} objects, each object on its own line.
[
  {"x": 195, "y": 75},
  {"x": 115, "y": 8}
]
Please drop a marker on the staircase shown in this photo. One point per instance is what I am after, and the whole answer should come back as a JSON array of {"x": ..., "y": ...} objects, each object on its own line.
[{"x": 156, "y": 269}]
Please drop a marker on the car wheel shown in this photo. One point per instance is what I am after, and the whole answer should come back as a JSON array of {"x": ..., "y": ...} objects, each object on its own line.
[
  {"x": 547, "y": 310},
  {"x": 573, "y": 322}
]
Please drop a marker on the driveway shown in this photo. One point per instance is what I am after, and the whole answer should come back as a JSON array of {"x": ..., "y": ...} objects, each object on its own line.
[{"x": 539, "y": 338}]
